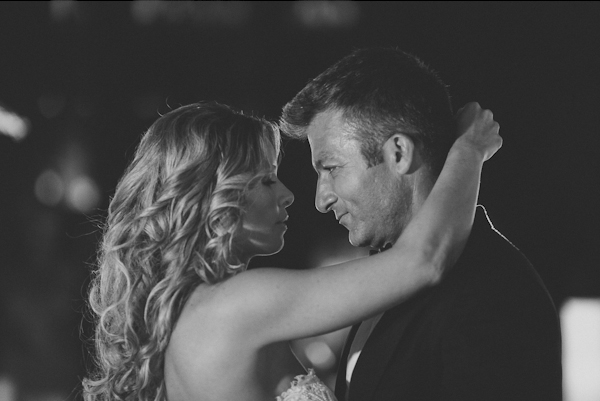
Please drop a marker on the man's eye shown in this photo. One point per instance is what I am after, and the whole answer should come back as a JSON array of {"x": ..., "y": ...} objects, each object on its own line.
[{"x": 329, "y": 168}]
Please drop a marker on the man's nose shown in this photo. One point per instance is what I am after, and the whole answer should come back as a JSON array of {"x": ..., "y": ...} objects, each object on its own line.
[{"x": 324, "y": 197}]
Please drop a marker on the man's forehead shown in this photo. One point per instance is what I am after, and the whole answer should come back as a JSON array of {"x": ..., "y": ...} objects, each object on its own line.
[
  {"x": 334, "y": 148},
  {"x": 329, "y": 129},
  {"x": 326, "y": 121}
]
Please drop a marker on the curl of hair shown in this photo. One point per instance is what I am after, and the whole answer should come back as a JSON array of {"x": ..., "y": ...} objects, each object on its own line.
[{"x": 170, "y": 227}]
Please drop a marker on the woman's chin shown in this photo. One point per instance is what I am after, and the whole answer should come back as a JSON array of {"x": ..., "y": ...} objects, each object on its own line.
[{"x": 273, "y": 249}]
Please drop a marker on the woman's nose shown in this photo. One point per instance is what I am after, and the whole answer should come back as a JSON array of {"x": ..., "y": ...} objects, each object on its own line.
[{"x": 287, "y": 198}]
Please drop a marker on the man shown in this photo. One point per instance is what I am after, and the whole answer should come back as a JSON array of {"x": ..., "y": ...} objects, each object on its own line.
[{"x": 380, "y": 123}]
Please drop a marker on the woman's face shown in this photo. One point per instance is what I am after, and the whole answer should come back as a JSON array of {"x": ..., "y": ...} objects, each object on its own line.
[{"x": 263, "y": 224}]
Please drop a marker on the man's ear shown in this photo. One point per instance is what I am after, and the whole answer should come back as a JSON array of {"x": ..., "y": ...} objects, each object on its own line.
[{"x": 399, "y": 154}]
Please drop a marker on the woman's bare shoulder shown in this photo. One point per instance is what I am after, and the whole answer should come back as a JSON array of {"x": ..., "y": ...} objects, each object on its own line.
[
  {"x": 226, "y": 305},
  {"x": 205, "y": 325}
]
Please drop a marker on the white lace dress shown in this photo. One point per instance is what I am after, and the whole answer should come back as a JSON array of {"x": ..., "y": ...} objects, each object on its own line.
[{"x": 307, "y": 388}]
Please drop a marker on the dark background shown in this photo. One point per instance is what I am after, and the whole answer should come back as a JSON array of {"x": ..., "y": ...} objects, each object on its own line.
[{"x": 91, "y": 77}]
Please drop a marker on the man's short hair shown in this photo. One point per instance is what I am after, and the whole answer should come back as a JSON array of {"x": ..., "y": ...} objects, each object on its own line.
[{"x": 381, "y": 91}]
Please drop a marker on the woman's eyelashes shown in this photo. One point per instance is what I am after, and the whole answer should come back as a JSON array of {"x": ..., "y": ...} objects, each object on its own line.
[{"x": 269, "y": 180}]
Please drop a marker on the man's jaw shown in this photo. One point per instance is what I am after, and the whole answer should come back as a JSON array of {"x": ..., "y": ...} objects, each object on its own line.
[
  {"x": 357, "y": 236},
  {"x": 377, "y": 241}
]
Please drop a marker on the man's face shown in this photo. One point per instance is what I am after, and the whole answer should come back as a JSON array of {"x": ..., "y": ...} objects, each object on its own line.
[{"x": 373, "y": 203}]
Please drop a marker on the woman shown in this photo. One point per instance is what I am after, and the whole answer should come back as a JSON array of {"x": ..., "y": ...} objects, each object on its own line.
[{"x": 179, "y": 317}]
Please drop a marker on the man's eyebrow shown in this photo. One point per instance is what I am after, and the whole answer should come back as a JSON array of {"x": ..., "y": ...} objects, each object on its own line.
[{"x": 323, "y": 155}]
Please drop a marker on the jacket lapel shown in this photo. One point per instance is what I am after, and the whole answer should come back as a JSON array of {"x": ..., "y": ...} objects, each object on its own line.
[
  {"x": 383, "y": 341},
  {"x": 340, "y": 382},
  {"x": 381, "y": 345}
]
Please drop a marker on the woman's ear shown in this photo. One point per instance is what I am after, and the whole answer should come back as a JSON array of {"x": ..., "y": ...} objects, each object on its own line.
[{"x": 399, "y": 154}]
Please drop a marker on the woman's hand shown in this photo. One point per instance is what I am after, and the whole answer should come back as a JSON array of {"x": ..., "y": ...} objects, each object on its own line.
[{"x": 478, "y": 130}]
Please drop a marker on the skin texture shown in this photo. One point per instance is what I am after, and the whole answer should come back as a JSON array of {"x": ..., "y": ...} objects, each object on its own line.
[{"x": 373, "y": 203}]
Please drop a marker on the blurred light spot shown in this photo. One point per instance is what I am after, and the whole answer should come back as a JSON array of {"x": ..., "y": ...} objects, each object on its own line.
[
  {"x": 63, "y": 10},
  {"x": 82, "y": 194},
  {"x": 146, "y": 12},
  {"x": 49, "y": 188},
  {"x": 13, "y": 125},
  {"x": 580, "y": 321},
  {"x": 320, "y": 354},
  {"x": 51, "y": 105},
  {"x": 335, "y": 14},
  {"x": 8, "y": 389}
]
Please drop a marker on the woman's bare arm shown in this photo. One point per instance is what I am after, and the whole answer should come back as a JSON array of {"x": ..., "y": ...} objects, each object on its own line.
[{"x": 269, "y": 305}]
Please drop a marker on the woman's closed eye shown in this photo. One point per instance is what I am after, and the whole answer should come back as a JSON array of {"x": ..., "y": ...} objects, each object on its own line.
[{"x": 269, "y": 180}]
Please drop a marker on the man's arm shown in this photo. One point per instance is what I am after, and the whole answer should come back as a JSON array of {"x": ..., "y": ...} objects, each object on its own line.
[{"x": 271, "y": 305}]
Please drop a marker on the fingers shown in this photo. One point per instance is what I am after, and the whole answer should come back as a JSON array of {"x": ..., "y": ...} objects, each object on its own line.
[
  {"x": 477, "y": 128},
  {"x": 472, "y": 114},
  {"x": 495, "y": 139},
  {"x": 471, "y": 106}
]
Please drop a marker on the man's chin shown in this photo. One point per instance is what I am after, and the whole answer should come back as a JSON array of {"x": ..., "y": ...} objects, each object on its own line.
[{"x": 357, "y": 240}]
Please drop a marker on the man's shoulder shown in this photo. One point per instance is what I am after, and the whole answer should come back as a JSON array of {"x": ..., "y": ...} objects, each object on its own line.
[
  {"x": 489, "y": 253},
  {"x": 491, "y": 274}
]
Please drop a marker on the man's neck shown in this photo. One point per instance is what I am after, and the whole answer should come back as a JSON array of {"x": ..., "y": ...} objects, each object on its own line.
[{"x": 374, "y": 251}]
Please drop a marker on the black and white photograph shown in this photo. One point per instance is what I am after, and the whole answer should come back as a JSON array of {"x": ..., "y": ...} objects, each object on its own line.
[{"x": 299, "y": 200}]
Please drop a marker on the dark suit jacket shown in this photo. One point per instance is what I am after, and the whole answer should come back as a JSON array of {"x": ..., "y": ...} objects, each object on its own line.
[{"x": 489, "y": 331}]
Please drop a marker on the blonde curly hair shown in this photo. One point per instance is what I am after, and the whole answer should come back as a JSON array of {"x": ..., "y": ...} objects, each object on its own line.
[{"x": 170, "y": 227}]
